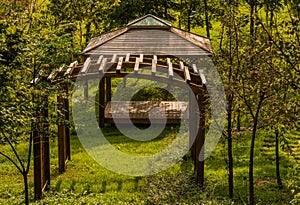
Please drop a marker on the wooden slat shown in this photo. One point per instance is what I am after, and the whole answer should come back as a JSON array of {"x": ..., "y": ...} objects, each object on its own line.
[
  {"x": 119, "y": 66},
  {"x": 71, "y": 68},
  {"x": 195, "y": 68},
  {"x": 141, "y": 57},
  {"x": 155, "y": 58},
  {"x": 127, "y": 57},
  {"x": 187, "y": 75},
  {"x": 153, "y": 70},
  {"x": 181, "y": 64},
  {"x": 53, "y": 75},
  {"x": 114, "y": 58},
  {"x": 86, "y": 66},
  {"x": 61, "y": 69},
  {"x": 99, "y": 59},
  {"x": 35, "y": 81},
  {"x": 136, "y": 66},
  {"x": 102, "y": 66},
  {"x": 170, "y": 70},
  {"x": 202, "y": 76}
]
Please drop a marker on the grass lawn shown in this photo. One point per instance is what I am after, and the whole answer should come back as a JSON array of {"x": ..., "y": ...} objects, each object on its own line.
[{"x": 86, "y": 182}]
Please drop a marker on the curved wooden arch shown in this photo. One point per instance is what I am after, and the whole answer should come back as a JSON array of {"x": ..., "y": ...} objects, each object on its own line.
[
  {"x": 114, "y": 66},
  {"x": 164, "y": 69}
]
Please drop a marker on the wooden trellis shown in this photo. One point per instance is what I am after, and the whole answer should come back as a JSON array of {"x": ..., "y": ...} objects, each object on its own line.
[{"x": 169, "y": 55}]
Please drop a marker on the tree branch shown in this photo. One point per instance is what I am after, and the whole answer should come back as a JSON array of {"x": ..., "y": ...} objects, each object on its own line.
[
  {"x": 14, "y": 150},
  {"x": 12, "y": 161}
]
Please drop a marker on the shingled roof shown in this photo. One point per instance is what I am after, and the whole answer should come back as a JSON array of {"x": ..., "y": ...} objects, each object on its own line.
[{"x": 149, "y": 35}]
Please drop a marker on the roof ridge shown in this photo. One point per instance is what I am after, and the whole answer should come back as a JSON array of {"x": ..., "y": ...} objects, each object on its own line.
[{"x": 167, "y": 23}]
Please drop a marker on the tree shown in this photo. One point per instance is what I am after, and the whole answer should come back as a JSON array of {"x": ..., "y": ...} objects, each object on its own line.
[{"x": 29, "y": 49}]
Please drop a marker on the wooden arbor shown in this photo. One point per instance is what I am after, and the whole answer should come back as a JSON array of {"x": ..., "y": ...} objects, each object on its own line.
[{"x": 148, "y": 43}]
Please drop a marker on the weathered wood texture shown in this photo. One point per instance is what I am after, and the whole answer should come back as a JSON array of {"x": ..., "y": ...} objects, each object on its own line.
[
  {"x": 41, "y": 149},
  {"x": 200, "y": 139},
  {"x": 139, "y": 111},
  {"x": 101, "y": 102},
  {"x": 150, "y": 42},
  {"x": 64, "y": 148}
]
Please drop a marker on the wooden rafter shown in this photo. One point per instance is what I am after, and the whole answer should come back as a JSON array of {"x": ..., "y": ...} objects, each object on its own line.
[
  {"x": 153, "y": 69},
  {"x": 136, "y": 65},
  {"x": 119, "y": 66},
  {"x": 202, "y": 76},
  {"x": 99, "y": 59},
  {"x": 194, "y": 66},
  {"x": 71, "y": 68},
  {"x": 114, "y": 58},
  {"x": 86, "y": 66},
  {"x": 102, "y": 65},
  {"x": 170, "y": 68},
  {"x": 187, "y": 75},
  {"x": 127, "y": 57},
  {"x": 191, "y": 74}
]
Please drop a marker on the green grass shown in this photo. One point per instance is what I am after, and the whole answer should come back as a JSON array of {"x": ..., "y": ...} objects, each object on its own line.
[{"x": 86, "y": 182}]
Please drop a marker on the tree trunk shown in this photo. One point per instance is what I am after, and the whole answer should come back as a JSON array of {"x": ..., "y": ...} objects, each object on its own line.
[
  {"x": 255, "y": 118},
  {"x": 251, "y": 162},
  {"x": 26, "y": 193},
  {"x": 229, "y": 142},
  {"x": 251, "y": 178},
  {"x": 279, "y": 182},
  {"x": 238, "y": 123},
  {"x": 207, "y": 24}
]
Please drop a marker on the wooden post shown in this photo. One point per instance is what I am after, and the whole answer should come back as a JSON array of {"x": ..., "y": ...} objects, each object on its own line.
[
  {"x": 37, "y": 163},
  {"x": 101, "y": 102},
  {"x": 108, "y": 89},
  {"x": 200, "y": 139},
  {"x": 41, "y": 150},
  {"x": 61, "y": 136},
  {"x": 86, "y": 90},
  {"x": 67, "y": 127},
  {"x": 193, "y": 125},
  {"x": 46, "y": 145}
]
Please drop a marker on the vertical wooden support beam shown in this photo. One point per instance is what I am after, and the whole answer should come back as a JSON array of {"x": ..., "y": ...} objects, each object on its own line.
[
  {"x": 101, "y": 102},
  {"x": 46, "y": 145},
  {"x": 200, "y": 139},
  {"x": 108, "y": 89},
  {"x": 61, "y": 136},
  {"x": 192, "y": 123},
  {"x": 37, "y": 162},
  {"x": 41, "y": 150},
  {"x": 86, "y": 90},
  {"x": 67, "y": 119}
]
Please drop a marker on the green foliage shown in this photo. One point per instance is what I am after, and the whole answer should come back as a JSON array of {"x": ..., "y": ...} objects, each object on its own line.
[
  {"x": 153, "y": 94},
  {"x": 86, "y": 182},
  {"x": 39, "y": 36}
]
